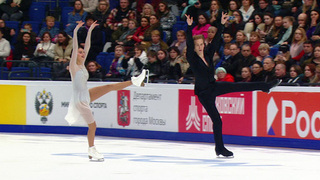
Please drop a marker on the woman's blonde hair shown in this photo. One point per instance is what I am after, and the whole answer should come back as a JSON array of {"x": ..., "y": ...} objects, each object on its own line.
[{"x": 304, "y": 36}]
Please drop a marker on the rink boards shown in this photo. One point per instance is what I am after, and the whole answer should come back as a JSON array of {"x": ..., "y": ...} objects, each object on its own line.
[{"x": 287, "y": 117}]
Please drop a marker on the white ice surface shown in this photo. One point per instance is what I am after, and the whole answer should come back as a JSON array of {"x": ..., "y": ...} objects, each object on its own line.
[{"x": 64, "y": 157}]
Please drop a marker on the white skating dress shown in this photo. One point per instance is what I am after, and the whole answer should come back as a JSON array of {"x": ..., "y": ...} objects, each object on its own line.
[{"x": 79, "y": 112}]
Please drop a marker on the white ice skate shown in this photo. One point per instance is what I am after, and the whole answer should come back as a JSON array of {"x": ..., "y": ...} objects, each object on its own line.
[
  {"x": 94, "y": 154},
  {"x": 138, "y": 81}
]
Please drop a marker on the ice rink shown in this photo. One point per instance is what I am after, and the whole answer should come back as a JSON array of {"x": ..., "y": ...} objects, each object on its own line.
[{"x": 64, "y": 157}]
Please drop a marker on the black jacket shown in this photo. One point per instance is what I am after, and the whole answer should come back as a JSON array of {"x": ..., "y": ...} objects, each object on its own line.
[{"x": 204, "y": 75}]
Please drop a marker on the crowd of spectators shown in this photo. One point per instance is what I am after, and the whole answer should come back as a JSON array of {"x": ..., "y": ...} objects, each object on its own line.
[{"x": 263, "y": 40}]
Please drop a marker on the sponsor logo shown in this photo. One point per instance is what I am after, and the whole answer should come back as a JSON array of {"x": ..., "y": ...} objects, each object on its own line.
[
  {"x": 44, "y": 105},
  {"x": 235, "y": 110},
  {"x": 290, "y": 114},
  {"x": 123, "y": 109}
]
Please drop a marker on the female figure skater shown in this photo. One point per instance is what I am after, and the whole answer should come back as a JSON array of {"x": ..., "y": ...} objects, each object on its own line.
[
  {"x": 79, "y": 109},
  {"x": 206, "y": 87}
]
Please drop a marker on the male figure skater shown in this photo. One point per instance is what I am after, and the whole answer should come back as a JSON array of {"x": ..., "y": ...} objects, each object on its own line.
[{"x": 206, "y": 87}]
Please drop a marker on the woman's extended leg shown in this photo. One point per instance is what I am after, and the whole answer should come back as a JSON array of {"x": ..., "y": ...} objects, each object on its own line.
[{"x": 99, "y": 91}]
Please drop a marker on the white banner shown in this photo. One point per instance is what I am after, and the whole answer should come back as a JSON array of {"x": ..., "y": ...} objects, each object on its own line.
[{"x": 147, "y": 108}]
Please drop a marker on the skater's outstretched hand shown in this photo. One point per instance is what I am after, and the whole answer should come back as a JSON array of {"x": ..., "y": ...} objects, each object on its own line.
[
  {"x": 189, "y": 20},
  {"x": 79, "y": 25},
  {"x": 93, "y": 25},
  {"x": 224, "y": 18}
]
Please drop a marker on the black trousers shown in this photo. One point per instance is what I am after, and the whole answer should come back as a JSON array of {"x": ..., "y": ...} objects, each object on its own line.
[{"x": 208, "y": 98}]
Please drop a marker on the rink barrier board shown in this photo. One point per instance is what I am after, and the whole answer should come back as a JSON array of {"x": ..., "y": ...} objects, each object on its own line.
[
  {"x": 174, "y": 136},
  {"x": 265, "y": 131}
]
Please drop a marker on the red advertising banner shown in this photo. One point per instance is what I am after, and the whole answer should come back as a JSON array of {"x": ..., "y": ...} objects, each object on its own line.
[
  {"x": 288, "y": 115},
  {"x": 235, "y": 110}
]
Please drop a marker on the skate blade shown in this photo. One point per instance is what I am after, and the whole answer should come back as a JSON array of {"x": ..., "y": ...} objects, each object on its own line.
[
  {"x": 95, "y": 160},
  {"x": 225, "y": 157}
]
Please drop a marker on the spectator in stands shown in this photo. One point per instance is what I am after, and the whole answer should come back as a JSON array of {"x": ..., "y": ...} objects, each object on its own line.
[
  {"x": 246, "y": 74},
  {"x": 78, "y": 14},
  {"x": 121, "y": 29},
  {"x": 147, "y": 11},
  {"x": 231, "y": 64},
  {"x": 102, "y": 13},
  {"x": 287, "y": 30},
  {"x": 54, "y": 31},
  {"x": 241, "y": 38},
  {"x": 63, "y": 48},
  {"x": 306, "y": 7},
  {"x": 95, "y": 70},
  {"x": 24, "y": 48},
  {"x": 167, "y": 19},
  {"x": 154, "y": 25},
  {"x": 281, "y": 73},
  {"x": 308, "y": 52},
  {"x": 116, "y": 70},
  {"x": 138, "y": 35},
  {"x": 153, "y": 65},
  {"x": 227, "y": 38},
  {"x": 224, "y": 58},
  {"x": 268, "y": 67},
  {"x": 156, "y": 42},
  {"x": 214, "y": 13},
  {"x": 8, "y": 33},
  {"x": 194, "y": 8},
  {"x": 255, "y": 43},
  {"x": 140, "y": 4},
  {"x": 202, "y": 26},
  {"x": 268, "y": 22},
  {"x": 303, "y": 21},
  {"x": 135, "y": 64},
  {"x": 162, "y": 57},
  {"x": 257, "y": 72},
  {"x": 236, "y": 24},
  {"x": 223, "y": 76},
  {"x": 234, "y": 5},
  {"x": 96, "y": 38},
  {"x": 264, "y": 51},
  {"x": 315, "y": 59},
  {"x": 273, "y": 37},
  {"x": 117, "y": 14},
  {"x": 181, "y": 40},
  {"x": 314, "y": 21},
  {"x": 295, "y": 74},
  {"x": 284, "y": 57},
  {"x": 125, "y": 38},
  {"x": 246, "y": 9},
  {"x": 174, "y": 71},
  {"x": 212, "y": 30},
  {"x": 90, "y": 5},
  {"x": 256, "y": 25},
  {"x": 28, "y": 28},
  {"x": 4, "y": 48},
  {"x": 245, "y": 59},
  {"x": 15, "y": 10},
  {"x": 262, "y": 8},
  {"x": 296, "y": 47},
  {"x": 185, "y": 67},
  {"x": 45, "y": 49},
  {"x": 316, "y": 79},
  {"x": 309, "y": 73}
]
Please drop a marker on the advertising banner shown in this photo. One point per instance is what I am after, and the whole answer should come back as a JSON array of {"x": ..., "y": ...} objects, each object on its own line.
[
  {"x": 147, "y": 109},
  {"x": 48, "y": 105},
  {"x": 288, "y": 115},
  {"x": 235, "y": 110}
]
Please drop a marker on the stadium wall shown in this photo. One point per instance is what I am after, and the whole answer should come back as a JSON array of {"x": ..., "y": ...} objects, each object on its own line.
[{"x": 286, "y": 117}]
